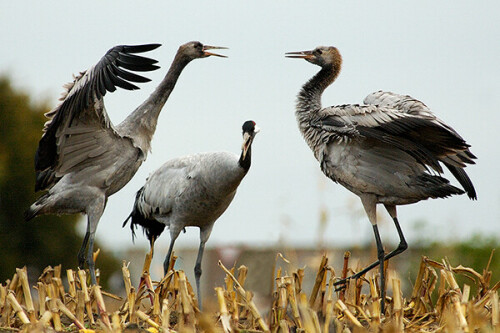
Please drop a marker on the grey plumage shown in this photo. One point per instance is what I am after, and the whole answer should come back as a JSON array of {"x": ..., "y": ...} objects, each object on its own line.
[
  {"x": 389, "y": 150},
  {"x": 82, "y": 158},
  {"x": 191, "y": 191}
]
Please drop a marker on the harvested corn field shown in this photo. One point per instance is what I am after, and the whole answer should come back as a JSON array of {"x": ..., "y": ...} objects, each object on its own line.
[{"x": 437, "y": 303}]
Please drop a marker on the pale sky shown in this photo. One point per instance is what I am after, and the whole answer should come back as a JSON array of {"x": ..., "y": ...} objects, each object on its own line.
[{"x": 444, "y": 53}]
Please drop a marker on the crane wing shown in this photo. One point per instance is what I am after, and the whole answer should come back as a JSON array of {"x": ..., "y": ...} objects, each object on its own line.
[
  {"x": 167, "y": 184},
  {"x": 79, "y": 129},
  {"x": 424, "y": 139},
  {"x": 407, "y": 104},
  {"x": 403, "y": 103}
]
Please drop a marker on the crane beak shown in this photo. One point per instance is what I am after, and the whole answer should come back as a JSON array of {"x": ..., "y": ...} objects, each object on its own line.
[
  {"x": 308, "y": 55},
  {"x": 247, "y": 141},
  {"x": 208, "y": 54}
]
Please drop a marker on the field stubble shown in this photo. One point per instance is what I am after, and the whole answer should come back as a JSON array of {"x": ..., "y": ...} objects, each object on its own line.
[{"x": 437, "y": 303}]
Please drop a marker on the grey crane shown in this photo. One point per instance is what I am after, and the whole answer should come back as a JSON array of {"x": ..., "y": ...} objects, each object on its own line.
[
  {"x": 388, "y": 151},
  {"x": 82, "y": 158},
  {"x": 191, "y": 191}
]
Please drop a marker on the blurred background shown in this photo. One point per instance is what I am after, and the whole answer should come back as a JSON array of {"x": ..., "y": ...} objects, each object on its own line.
[{"x": 443, "y": 53}]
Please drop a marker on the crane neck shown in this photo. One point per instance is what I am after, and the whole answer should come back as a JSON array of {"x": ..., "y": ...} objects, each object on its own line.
[
  {"x": 309, "y": 97},
  {"x": 309, "y": 104},
  {"x": 245, "y": 163},
  {"x": 140, "y": 125},
  {"x": 160, "y": 95}
]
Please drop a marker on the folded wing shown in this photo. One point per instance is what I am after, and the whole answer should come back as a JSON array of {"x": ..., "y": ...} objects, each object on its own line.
[{"x": 408, "y": 126}]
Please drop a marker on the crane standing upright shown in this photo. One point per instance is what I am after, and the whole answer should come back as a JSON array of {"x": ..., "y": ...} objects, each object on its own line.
[
  {"x": 193, "y": 190},
  {"x": 82, "y": 158},
  {"x": 387, "y": 151}
]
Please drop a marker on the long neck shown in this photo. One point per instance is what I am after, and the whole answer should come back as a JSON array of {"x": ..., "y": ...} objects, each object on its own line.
[
  {"x": 247, "y": 161},
  {"x": 309, "y": 104},
  {"x": 140, "y": 125},
  {"x": 309, "y": 97}
]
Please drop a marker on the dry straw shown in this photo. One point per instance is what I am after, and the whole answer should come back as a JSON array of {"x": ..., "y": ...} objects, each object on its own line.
[{"x": 437, "y": 303}]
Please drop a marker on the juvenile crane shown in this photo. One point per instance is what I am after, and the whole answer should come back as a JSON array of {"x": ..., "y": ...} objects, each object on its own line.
[
  {"x": 191, "y": 191},
  {"x": 82, "y": 158},
  {"x": 387, "y": 151}
]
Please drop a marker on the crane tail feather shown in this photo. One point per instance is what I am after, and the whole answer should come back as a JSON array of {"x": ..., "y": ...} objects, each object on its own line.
[
  {"x": 464, "y": 180},
  {"x": 150, "y": 226}
]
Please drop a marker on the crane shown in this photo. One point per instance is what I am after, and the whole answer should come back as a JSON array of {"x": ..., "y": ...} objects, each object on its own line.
[
  {"x": 82, "y": 158},
  {"x": 193, "y": 190},
  {"x": 388, "y": 151}
]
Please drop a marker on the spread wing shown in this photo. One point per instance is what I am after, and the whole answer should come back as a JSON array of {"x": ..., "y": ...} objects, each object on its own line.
[
  {"x": 423, "y": 137},
  {"x": 79, "y": 129}
]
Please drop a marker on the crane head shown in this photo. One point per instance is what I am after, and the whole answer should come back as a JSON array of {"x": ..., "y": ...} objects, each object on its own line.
[
  {"x": 196, "y": 50},
  {"x": 321, "y": 56}
]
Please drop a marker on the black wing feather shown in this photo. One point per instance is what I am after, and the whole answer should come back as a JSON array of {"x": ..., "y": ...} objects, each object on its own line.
[
  {"x": 135, "y": 59},
  {"x": 140, "y": 48},
  {"x": 129, "y": 76},
  {"x": 137, "y": 67},
  {"x": 117, "y": 81}
]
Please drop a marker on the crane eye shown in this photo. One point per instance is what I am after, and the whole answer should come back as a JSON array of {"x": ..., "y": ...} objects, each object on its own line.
[{"x": 318, "y": 51}]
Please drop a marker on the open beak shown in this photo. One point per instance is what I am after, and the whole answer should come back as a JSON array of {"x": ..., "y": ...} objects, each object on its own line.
[
  {"x": 301, "y": 55},
  {"x": 208, "y": 54}
]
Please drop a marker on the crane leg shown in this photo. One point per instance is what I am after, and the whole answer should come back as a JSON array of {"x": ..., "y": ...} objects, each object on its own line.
[
  {"x": 81, "y": 253},
  {"x": 204, "y": 234},
  {"x": 90, "y": 258},
  {"x": 174, "y": 233},
  {"x": 403, "y": 245},
  {"x": 402, "y": 241},
  {"x": 400, "y": 249},
  {"x": 197, "y": 271},
  {"x": 166, "y": 263},
  {"x": 93, "y": 216},
  {"x": 381, "y": 260}
]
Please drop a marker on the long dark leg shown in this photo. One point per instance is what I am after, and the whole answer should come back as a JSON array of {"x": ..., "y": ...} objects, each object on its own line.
[
  {"x": 380, "y": 256},
  {"x": 81, "y": 253},
  {"x": 166, "y": 263},
  {"x": 197, "y": 271},
  {"x": 402, "y": 241},
  {"x": 174, "y": 233},
  {"x": 90, "y": 258},
  {"x": 94, "y": 215},
  {"x": 204, "y": 234}
]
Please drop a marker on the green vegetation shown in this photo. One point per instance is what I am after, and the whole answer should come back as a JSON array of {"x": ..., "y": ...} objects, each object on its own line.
[
  {"x": 474, "y": 253},
  {"x": 47, "y": 240}
]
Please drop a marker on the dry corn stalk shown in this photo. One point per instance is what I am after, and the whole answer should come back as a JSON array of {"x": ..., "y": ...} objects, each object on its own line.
[{"x": 174, "y": 305}]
